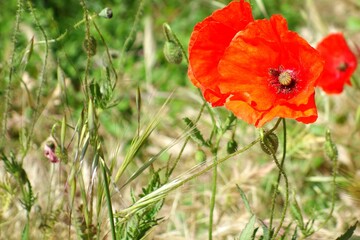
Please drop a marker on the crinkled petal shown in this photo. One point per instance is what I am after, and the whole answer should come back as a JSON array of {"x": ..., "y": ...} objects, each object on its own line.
[
  {"x": 208, "y": 42},
  {"x": 306, "y": 113}
]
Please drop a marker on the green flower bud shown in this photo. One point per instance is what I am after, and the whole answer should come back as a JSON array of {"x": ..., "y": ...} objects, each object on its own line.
[
  {"x": 173, "y": 52},
  {"x": 200, "y": 156},
  {"x": 270, "y": 143},
  {"x": 231, "y": 146}
]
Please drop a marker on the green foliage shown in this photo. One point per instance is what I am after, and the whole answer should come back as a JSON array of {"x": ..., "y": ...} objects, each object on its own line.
[
  {"x": 249, "y": 231},
  {"x": 195, "y": 133},
  {"x": 142, "y": 221},
  {"x": 349, "y": 232},
  {"x": 92, "y": 84}
]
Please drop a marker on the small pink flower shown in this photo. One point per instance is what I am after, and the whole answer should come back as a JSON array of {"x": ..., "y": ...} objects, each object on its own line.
[{"x": 49, "y": 152}]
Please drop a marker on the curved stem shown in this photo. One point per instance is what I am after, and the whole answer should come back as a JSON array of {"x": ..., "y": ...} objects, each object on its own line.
[{"x": 281, "y": 172}]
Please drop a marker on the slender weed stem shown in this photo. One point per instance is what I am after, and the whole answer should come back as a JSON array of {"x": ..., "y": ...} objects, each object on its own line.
[
  {"x": 108, "y": 199},
  {"x": 276, "y": 190}
]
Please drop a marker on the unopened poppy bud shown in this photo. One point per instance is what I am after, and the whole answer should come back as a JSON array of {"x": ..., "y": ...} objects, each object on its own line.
[
  {"x": 270, "y": 143},
  {"x": 231, "y": 146},
  {"x": 173, "y": 52},
  {"x": 90, "y": 46},
  {"x": 200, "y": 156},
  {"x": 106, "y": 13},
  {"x": 329, "y": 147}
]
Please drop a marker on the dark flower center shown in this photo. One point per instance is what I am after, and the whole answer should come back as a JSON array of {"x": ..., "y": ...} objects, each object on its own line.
[
  {"x": 282, "y": 80},
  {"x": 343, "y": 67}
]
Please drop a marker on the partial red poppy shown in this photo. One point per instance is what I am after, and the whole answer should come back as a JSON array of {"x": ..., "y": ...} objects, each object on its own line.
[
  {"x": 340, "y": 63},
  {"x": 264, "y": 71},
  {"x": 207, "y": 44}
]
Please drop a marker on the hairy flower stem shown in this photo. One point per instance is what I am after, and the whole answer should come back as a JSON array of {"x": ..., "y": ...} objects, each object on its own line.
[
  {"x": 186, "y": 141},
  {"x": 276, "y": 190},
  {"x": 214, "y": 186}
]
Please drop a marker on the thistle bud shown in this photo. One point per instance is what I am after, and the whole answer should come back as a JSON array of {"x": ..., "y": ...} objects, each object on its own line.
[
  {"x": 106, "y": 13},
  {"x": 329, "y": 147},
  {"x": 270, "y": 143}
]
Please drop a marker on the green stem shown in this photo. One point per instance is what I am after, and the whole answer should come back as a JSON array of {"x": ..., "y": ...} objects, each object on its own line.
[
  {"x": 37, "y": 112},
  {"x": 8, "y": 84},
  {"x": 281, "y": 172},
  {"x": 108, "y": 199},
  {"x": 214, "y": 186},
  {"x": 163, "y": 191},
  {"x": 186, "y": 141},
  {"x": 333, "y": 193},
  {"x": 87, "y": 36}
]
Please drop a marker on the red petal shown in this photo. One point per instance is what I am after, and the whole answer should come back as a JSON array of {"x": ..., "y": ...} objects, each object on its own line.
[
  {"x": 208, "y": 42},
  {"x": 306, "y": 113}
]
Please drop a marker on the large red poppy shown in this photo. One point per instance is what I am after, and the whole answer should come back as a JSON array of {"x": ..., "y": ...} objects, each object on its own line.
[
  {"x": 340, "y": 63},
  {"x": 259, "y": 72}
]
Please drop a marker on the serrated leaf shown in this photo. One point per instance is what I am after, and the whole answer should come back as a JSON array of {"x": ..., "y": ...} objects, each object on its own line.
[
  {"x": 296, "y": 213},
  {"x": 245, "y": 200},
  {"x": 347, "y": 235},
  {"x": 195, "y": 133},
  {"x": 247, "y": 233}
]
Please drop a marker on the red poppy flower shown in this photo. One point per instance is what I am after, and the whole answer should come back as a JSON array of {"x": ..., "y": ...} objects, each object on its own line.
[
  {"x": 264, "y": 71},
  {"x": 340, "y": 63}
]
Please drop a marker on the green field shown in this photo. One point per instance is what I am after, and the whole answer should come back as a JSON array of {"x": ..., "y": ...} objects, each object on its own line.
[{"x": 139, "y": 154}]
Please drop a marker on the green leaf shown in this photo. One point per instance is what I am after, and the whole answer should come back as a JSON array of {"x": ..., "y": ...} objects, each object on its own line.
[
  {"x": 347, "y": 235},
  {"x": 247, "y": 233},
  {"x": 245, "y": 200},
  {"x": 296, "y": 213},
  {"x": 25, "y": 232},
  {"x": 195, "y": 133},
  {"x": 267, "y": 234},
  {"x": 294, "y": 236}
]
